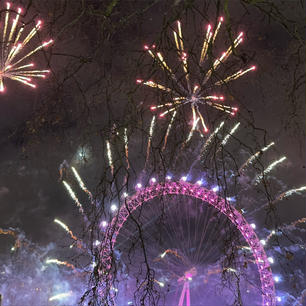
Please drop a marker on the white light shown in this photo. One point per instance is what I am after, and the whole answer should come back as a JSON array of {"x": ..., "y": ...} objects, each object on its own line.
[
  {"x": 161, "y": 284},
  {"x": 163, "y": 255},
  {"x": 168, "y": 177},
  {"x": 277, "y": 279},
  {"x": 153, "y": 180},
  {"x": 271, "y": 260},
  {"x": 273, "y": 232},
  {"x": 114, "y": 207},
  {"x": 190, "y": 278},
  {"x": 125, "y": 195},
  {"x": 263, "y": 242},
  {"x": 184, "y": 178},
  {"x": 253, "y": 225},
  {"x": 104, "y": 224},
  {"x": 12, "y": 249},
  {"x": 199, "y": 182},
  {"x": 97, "y": 242},
  {"x": 138, "y": 185},
  {"x": 215, "y": 189},
  {"x": 93, "y": 264},
  {"x": 278, "y": 298}
]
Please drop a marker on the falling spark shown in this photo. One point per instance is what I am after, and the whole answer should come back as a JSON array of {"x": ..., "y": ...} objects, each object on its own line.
[
  {"x": 289, "y": 193},
  {"x": 60, "y": 296},
  {"x": 168, "y": 130},
  {"x": 81, "y": 183},
  {"x": 193, "y": 94},
  {"x": 74, "y": 197},
  {"x": 152, "y": 125},
  {"x": 66, "y": 228},
  {"x": 255, "y": 156},
  {"x": 109, "y": 156},
  {"x": 228, "y": 136},
  {"x": 269, "y": 169},
  {"x": 126, "y": 148},
  {"x": 60, "y": 263},
  {"x": 12, "y": 58},
  {"x": 211, "y": 137}
]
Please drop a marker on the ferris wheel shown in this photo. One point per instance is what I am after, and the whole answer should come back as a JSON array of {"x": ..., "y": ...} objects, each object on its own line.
[{"x": 177, "y": 243}]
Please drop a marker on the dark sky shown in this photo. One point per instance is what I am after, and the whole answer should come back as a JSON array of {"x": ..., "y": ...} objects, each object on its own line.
[{"x": 95, "y": 59}]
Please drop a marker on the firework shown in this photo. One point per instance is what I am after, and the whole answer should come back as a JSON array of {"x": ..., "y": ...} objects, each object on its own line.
[
  {"x": 269, "y": 169},
  {"x": 15, "y": 50},
  {"x": 66, "y": 228},
  {"x": 109, "y": 156},
  {"x": 290, "y": 192},
  {"x": 228, "y": 136},
  {"x": 254, "y": 156},
  {"x": 60, "y": 263},
  {"x": 76, "y": 200},
  {"x": 152, "y": 125},
  {"x": 193, "y": 94},
  {"x": 60, "y": 296},
  {"x": 126, "y": 147},
  {"x": 81, "y": 183}
]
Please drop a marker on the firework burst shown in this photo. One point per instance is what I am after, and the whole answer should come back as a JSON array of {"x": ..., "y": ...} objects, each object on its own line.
[
  {"x": 189, "y": 92},
  {"x": 15, "y": 50}
]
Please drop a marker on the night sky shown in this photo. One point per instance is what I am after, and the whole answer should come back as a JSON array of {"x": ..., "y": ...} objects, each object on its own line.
[{"x": 95, "y": 60}]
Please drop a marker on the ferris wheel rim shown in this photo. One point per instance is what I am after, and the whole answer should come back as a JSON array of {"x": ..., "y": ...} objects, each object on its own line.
[{"x": 145, "y": 194}]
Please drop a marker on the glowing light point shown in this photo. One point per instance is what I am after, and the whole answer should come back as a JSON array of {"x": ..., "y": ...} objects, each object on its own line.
[
  {"x": 138, "y": 185},
  {"x": 97, "y": 243},
  {"x": 153, "y": 180},
  {"x": 199, "y": 182},
  {"x": 271, "y": 260},
  {"x": 104, "y": 224},
  {"x": 276, "y": 279},
  {"x": 184, "y": 178},
  {"x": 215, "y": 188},
  {"x": 114, "y": 207},
  {"x": 263, "y": 242},
  {"x": 168, "y": 177},
  {"x": 253, "y": 225},
  {"x": 278, "y": 298}
]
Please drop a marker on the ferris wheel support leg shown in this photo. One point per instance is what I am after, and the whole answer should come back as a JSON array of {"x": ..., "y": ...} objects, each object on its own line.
[
  {"x": 182, "y": 295},
  {"x": 187, "y": 294}
]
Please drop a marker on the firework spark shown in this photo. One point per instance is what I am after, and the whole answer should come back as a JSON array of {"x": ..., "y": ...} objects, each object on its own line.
[
  {"x": 66, "y": 228},
  {"x": 12, "y": 58},
  {"x": 290, "y": 192},
  {"x": 81, "y": 183},
  {"x": 269, "y": 169},
  {"x": 60, "y": 296},
  {"x": 76, "y": 200},
  {"x": 152, "y": 125},
  {"x": 211, "y": 137},
  {"x": 254, "y": 156},
  {"x": 109, "y": 156},
  {"x": 228, "y": 136},
  {"x": 191, "y": 93},
  {"x": 60, "y": 263}
]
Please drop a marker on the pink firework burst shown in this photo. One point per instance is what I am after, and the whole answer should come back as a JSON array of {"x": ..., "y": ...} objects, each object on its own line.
[
  {"x": 188, "y": 92},
  {"x": 16, "y": 49}
]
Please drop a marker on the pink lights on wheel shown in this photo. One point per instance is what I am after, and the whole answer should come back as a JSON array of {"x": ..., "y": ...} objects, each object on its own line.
[{"x": 183, "y": 188}]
